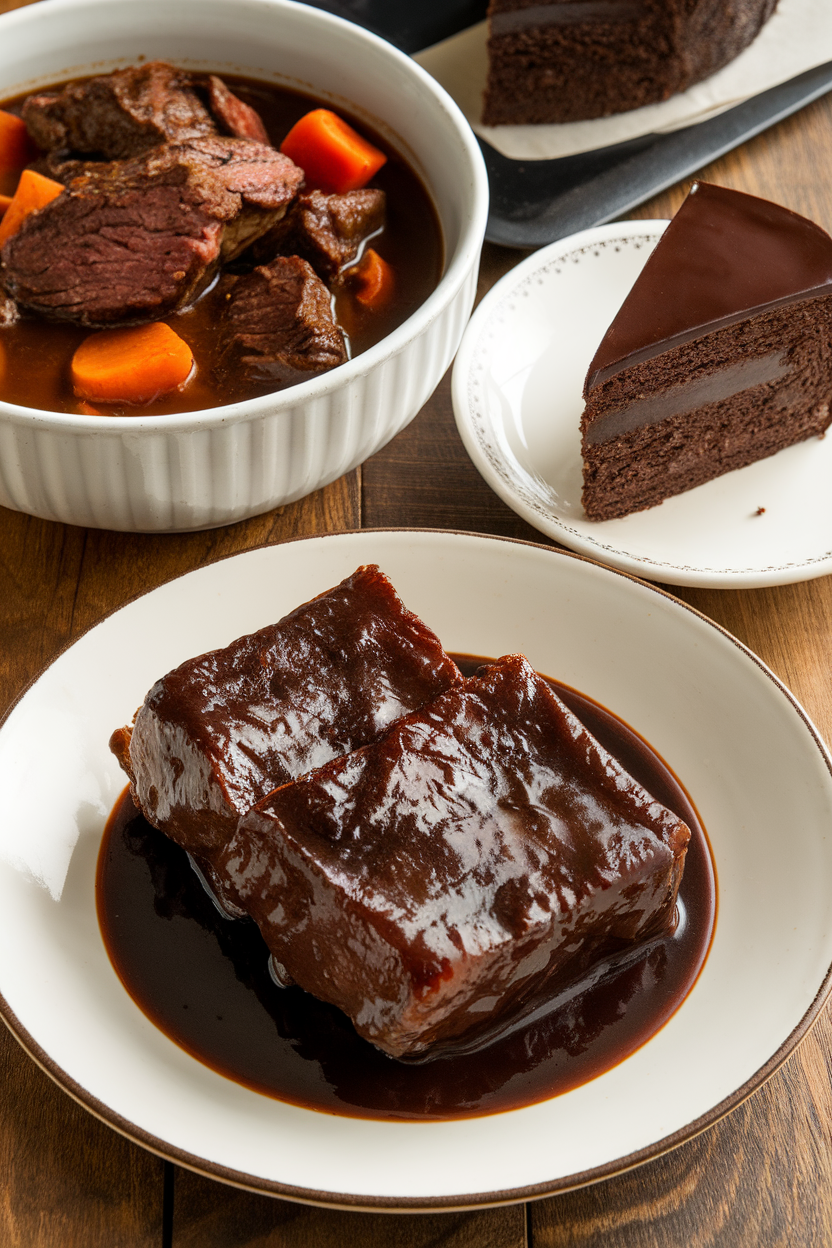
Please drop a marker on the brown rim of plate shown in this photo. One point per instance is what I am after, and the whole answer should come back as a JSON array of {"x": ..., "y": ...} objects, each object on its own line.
[{"x": 412, "y": 1204}]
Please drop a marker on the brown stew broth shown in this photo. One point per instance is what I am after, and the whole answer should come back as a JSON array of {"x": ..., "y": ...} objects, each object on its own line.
[
  {"x": 38, "y": 352},
  {"x": 204, "y": 980}
]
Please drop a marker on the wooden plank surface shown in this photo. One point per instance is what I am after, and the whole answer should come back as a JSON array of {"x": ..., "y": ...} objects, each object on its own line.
[
  {"x": 762, "y": 1177},
  {"x": 67, "y": 1180},
  {"x": 209, "y": 1216}
]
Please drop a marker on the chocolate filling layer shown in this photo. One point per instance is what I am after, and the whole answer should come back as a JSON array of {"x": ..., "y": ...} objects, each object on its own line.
[{"x": 688, "y": 396}]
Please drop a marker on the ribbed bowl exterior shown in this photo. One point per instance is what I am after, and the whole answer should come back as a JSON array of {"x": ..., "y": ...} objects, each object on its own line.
[
  {"x": 217, "y": 473},
  {"x": 204, "y": 469}
]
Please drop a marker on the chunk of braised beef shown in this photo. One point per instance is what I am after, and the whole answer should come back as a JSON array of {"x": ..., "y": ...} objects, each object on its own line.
[
  {"x": 120, "y": 114},
  {"x": 234, "y": 116},
  {"x": 279, "y": 324},
  {"x": 130, "y": 241},
  {"x": 225, "y": 728},
  {"x": 326, "y": 230},
  {"x": 482, "y": 856}
]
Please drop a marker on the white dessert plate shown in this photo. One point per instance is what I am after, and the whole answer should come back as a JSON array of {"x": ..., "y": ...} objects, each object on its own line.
[
  {"x": 753, "y": 763},
  {"x": 517, "y": 394}
]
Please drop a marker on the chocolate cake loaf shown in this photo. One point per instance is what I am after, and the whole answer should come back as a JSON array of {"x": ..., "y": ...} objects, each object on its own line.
[
  {"x": 224, "y": 729},
  {"x": 485, "y": 852},
  {"x": 568, "y": 60},
  {"x": 720, "y": 355}
]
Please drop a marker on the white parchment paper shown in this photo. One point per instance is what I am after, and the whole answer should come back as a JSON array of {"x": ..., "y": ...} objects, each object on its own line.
[{"x": 797, "y": 37}]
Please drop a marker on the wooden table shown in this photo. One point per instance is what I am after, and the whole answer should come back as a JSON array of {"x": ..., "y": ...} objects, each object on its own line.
[{"x": 760, "y": 1178}]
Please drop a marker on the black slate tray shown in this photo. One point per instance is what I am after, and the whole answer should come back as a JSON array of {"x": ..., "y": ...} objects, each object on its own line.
[{"x": 535, "y": 202}]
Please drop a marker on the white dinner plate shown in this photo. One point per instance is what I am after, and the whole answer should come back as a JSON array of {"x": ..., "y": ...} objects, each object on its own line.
[
  {"x": 751, "y": 760},
  {"x": 517, "y": 393}
]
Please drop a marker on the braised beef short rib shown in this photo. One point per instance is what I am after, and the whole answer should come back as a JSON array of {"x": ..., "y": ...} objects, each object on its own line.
[
  {"x": 223, "y": 729},
  {"x": 485, "y": 852}
]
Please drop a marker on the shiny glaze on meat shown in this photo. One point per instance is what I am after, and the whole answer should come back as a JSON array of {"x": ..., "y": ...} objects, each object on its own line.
[
  {"x": 205, "y": 981},
  {"x": 483, "y": 851},
  {"x": 223, "y": 729}
]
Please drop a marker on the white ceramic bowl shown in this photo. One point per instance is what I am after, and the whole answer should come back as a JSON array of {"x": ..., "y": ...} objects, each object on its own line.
[{"x": 200, "y": 469}]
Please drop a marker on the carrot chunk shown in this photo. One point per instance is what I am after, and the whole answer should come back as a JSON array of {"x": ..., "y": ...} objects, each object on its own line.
[
  {"x": 33, "y": 191},
  {"x": 131, "y": 365},
  {"x": 5, "y": 200},
  {"x": 16, "y": 148},
  {"x": 331, "y": 154},
  {"x": 372, "y": 280}
]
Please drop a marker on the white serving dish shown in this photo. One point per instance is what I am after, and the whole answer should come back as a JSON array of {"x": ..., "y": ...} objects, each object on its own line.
[
  {"x": 200, "y": 469},
  {"x": 753, "y": 763}
]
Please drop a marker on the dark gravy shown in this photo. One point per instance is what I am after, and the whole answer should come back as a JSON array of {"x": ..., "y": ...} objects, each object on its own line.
[{"x": 204, "y": 980}]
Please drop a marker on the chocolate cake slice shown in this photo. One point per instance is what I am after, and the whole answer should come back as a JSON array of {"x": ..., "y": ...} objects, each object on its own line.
[
  {"x": 485, "y": 852},
  {"x": 224, "y": 729},
  {"x": 720, "y": 355},
  {"x": 569, "y": 60}
]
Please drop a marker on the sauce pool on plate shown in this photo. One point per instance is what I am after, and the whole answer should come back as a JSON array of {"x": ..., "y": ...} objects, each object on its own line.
[{"x": 204, "y": 980}]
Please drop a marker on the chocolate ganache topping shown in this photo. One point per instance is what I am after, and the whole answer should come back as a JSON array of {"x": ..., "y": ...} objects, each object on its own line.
[{"x": 725, "y": 256}]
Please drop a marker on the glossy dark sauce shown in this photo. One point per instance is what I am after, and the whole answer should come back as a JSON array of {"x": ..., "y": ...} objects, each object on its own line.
[
  {"x": 38, "y": 352},
  {"x": 204, "y": 981}
]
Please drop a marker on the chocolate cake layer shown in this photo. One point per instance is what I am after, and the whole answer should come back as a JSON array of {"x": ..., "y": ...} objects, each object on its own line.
[
  {"x": 720, "y": 355},
  {"x": 569, "y": 60},
  {"x": 484, "y": 852},
  {"x": 222, "y": 730}
]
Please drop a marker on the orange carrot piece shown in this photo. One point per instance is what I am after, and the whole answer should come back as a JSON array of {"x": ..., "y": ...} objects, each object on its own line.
[
  {"x": 16, "y": 148},
  {"x": 133, "y": 365},
  {"x": 331, "y": 154},
  {"x": 5, "y": 200},
  {"x": 34, "y": 191},
  {"x": 372, "y": 280}
]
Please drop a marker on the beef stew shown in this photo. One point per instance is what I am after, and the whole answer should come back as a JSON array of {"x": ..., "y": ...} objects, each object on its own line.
[{"x": 219, "y": 199}]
